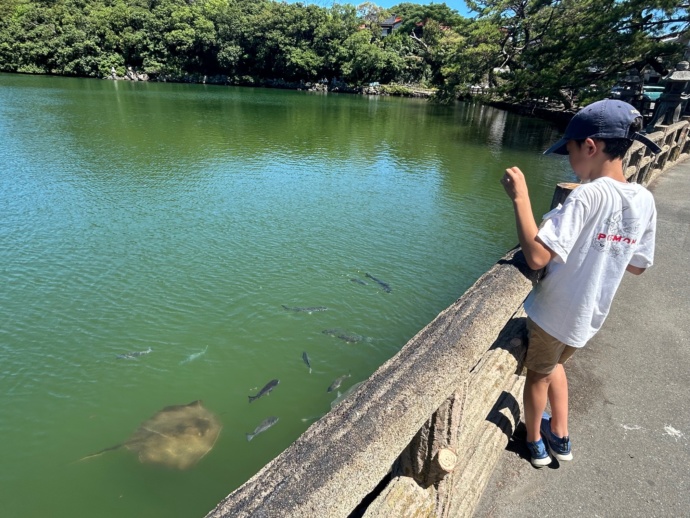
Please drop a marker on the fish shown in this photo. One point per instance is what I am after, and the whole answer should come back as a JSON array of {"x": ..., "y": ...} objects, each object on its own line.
[
  {"x": 266, "y": 390},
  {"x": 194, "y": 356},
  {"x": 263, "y": 426},
  {"x": 337, "y": 382},
  {"x": 307, "y": 361},
  {"x": 305, "y": 310},
  {"x": 383, "y": 285},
  {"x": 350, "y": 338},
  {"x": 135, "y": 354},
  {"x": 358, "y": 281},
  {"x": 341, "y": 397},
  {"x": 176, "y": 436}
]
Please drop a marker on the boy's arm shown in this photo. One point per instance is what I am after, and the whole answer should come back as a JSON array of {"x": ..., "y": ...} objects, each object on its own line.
[
  {"x": 644, "y": 254},
  {"x": 536, "y": 253},
  {"x": 635, "y": 270}
]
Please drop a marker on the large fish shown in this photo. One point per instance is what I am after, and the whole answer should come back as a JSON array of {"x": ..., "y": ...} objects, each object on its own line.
[
  {"x": 337, "y": 382},
  {"x": 175, "y": 437},
  {"x": 266, "y": 390},
  {"x": 383, "y": 285},
  {"x": 307, "y": 361},
  {"x": 304, "y": 310},
  {"x": 135, "y": 354},
  {"x": 263, "y": 426}
]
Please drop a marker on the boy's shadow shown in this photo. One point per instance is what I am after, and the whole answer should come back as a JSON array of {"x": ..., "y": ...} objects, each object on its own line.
[{"x": 517, "y": 443}]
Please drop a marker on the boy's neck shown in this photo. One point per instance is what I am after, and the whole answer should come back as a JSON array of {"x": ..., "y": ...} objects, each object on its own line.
[{"x": 609, "y": 168}]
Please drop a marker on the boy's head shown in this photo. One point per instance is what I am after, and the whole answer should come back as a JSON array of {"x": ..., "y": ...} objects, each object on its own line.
[{"x": 614, "y": 122}]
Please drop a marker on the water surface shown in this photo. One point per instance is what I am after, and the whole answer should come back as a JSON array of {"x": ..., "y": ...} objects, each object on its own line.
[{"x": 181, "y": 218}]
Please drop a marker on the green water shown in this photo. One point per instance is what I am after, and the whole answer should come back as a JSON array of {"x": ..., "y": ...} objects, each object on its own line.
[{"x": 181, "y": 218}]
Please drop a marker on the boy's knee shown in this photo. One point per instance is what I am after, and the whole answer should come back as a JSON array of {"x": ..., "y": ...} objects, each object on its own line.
[
  {"x": 539, "y": 377},
  {"x": 557, "y": 373}
]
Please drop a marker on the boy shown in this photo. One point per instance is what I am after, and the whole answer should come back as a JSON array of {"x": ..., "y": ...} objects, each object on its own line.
[{"x": 604, "y": 228}]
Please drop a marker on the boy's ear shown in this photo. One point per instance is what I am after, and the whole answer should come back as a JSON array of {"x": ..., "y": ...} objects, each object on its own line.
[{"x": 592, "y": 146}]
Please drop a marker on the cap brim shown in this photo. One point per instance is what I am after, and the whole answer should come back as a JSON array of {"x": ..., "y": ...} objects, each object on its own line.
[
  {"x": 558, "y": 148},
  {"x": 647, "y": 142}
]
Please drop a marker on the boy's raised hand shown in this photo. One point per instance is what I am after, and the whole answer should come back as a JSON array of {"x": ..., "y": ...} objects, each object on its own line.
[
  {"x": 514, "y": 183},
  {"x": 536, "y": 252}
]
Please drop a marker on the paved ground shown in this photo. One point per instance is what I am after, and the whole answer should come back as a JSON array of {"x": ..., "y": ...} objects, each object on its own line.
[{"x": 630, "y": 397}]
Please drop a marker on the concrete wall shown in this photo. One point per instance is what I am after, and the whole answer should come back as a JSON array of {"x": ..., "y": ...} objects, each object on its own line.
[{"x": 454, "y": 387}]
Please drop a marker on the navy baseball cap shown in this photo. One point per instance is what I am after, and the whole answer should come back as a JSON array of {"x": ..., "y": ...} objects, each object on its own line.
[{"x": 609, "y": 118}]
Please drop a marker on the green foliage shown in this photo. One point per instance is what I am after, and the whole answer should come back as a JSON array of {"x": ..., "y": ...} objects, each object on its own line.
[
  {"x": 366, "y": 61},
  {"x": 571, "y": 50},
  {"x": 399, "y": 90}
]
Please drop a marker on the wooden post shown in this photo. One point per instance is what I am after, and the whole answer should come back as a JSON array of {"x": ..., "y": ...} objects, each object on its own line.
[
  {"x": 444, "y": 462},
  {"x": 430, "y": 453},
  {"x": 561, "y": 193}
]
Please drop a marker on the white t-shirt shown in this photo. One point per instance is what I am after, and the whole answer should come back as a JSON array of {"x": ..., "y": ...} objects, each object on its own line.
[{"x": 602, "y": 227}]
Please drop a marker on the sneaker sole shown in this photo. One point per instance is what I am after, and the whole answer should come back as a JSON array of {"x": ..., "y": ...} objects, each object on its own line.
[
  {"x": 540, "y": 463},
  {"x": 560, "y": 456}
]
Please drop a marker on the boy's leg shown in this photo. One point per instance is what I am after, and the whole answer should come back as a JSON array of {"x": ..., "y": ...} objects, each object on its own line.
[
  {"x": 546, "y": 379},
  {"x": 537, "y": 388},
  {"x": 534, "y": 400},
  {"x": 555, "y": 429},
  {"x": 558, "y": 397}
]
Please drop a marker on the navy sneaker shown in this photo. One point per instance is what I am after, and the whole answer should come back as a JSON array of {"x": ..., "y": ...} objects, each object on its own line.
[
  {"x": 540, "y": 457},
  {"x": 558, "y": 446}
]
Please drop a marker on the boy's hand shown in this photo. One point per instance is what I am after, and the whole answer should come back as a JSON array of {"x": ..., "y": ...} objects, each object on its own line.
[
  {"x": 514, "y": 184},
  {"x": 536, "y": 253}
]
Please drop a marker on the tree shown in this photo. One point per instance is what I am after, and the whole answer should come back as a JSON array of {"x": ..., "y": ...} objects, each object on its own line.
[
  {"x": 559, "y": 48},
  {"x": 366, "y": 61},
  {"x": 566, "y": 50}
]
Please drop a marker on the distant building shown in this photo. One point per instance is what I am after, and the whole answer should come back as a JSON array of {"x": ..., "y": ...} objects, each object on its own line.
[{"x": 390, "y": 25}]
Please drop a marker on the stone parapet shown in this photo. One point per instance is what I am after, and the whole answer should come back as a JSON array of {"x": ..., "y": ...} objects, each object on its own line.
[{"x": 641, "y": 166}]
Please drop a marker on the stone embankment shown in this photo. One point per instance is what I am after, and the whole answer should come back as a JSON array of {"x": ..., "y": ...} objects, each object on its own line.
[
  {"x": 401, "y": 90},
  {"x": 130, "y": 75},
  {"x": 422, "y": 435}
]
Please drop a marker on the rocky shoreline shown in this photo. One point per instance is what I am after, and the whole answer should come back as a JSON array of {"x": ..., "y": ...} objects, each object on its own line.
[
  {"x": 558, "y": 116},
  {"x": 406, "y": 90}
]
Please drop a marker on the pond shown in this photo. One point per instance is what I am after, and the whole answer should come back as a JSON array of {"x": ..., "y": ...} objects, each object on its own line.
[{"x": 163, "y": 243}]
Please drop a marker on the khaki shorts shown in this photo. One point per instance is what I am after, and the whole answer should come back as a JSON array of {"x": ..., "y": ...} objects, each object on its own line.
[{"x": 544, "y": 351}]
